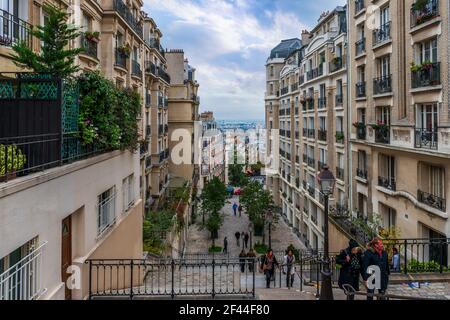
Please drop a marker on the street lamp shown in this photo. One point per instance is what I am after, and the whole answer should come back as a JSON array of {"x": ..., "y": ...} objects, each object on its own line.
[
  {"x": 250, "y": 230},
  {"x": 269, "y": 218},
  {"x": 326, "y": 182}
]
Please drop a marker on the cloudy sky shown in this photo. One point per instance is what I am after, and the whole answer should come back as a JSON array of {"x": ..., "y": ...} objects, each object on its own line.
[{"x": 228, "y": 42}]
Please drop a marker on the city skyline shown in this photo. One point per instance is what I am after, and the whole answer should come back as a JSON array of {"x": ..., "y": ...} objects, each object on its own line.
[{"x": 234, "y": 44}]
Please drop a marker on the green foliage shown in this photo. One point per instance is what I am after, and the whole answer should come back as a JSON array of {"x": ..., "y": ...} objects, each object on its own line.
[
  {"x": 95, "y": 35},
  {"x": 339, "y": 136},
  {"x": 256, "y": 168},
  {"x": 107, "y": 114},
  {"x": 11, "y": 159},
  {"x": 55, "y": 56},
  {"x": 415, "y": 266},
  {"x": 257, "y": 202},
  {"x": 156, "y": 223},
  {"x": 236, "y": 175},
  {"x": 419, "y": 5},
  {"x": 261, "y": 248},
  {"x": 213, "y": 199},
  {"x": 215, "y": 249}
]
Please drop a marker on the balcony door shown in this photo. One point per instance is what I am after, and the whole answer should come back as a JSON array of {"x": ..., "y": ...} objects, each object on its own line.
[
  {"x": 384, "y": 66},
  {"x": 384, "y": 16},
  {"x": 427, "y": 117},
  {"x": 66, "y": 253}
]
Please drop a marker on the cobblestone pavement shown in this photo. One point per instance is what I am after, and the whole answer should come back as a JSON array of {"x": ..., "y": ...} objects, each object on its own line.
[
  {"x": 439, "y": 291},
  {"x": 199, "y": 242}
]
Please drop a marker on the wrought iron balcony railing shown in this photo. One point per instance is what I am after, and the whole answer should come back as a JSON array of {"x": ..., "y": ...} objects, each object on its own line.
[
  {"x": 311, "y": 190},
  {"x": 427, "y": 139},
  {"x": 311, "y": 162},
  {"x": 388, "y": 183},
  {"x": 148, "y": 100},
  {"x": 359, "y": 5},
  {"x": 284, "y": 90},
  {"x": 314, "y": 73},
  {"x": 361, "y": 173},
  {"x": 321, "y": 165},
  {"x": 427, "y": 75},
  {"x": 361, "y": 132},
  {"x": 305, "y": 132},
  {"x": 361, "y": 89},
  {"x": 360, "y": 46},
  {"x": 89, "y": 46},
  {"x": 336, "y": 64},
  {"x": 136, "y": 69},
  {"x": 310, "y": 104},
  {"x": 431, "y": 200},
  {"x": 150, "y": 67},
  {"x": 14, "y": 30},
  {"x": 322, "y": 103},
  {"x": 121, "y": 59},
  {"x": 294, "y": 87},
  {"x": 122, "y": 9},
  {"x": 311, "y": 133},
  {"x": 382, "y": 34},
  {"x": 383, "y": 135},
  {"x": 340, "y": 173},
  {"x": 322, "y": 135},
  {"x": 339, "y": 100},
  {"x": 382, "y": 85},
  {"x": 422, "y": 12}
]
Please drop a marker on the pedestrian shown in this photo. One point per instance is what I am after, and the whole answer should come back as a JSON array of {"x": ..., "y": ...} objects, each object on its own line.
[
  {"x": 235, "y": 206},
  {"x": 251, "y": 259},
  {"x": 242, "y": 258},
  {"x": 375, "y": 255},
  {"x": 268, "y": 266},
  {"x": 240, "y": 210},
  {"x": 395, "y": 260},
  {"x": 237, "y": 235},
  {"x": 289, "y": 268},
  {"x": 246, "y": 237},
  {"x": 225, "y": 245},
  {"x": 350, "y": 260}
]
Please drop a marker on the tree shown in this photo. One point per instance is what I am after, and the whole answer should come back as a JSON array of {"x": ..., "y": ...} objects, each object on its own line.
[
  {"x": 55, "y": 57},
  {"x": 257, "y": 202},
  {"x": 213, "y": 199},
  {"x": 236, "y": 175}
]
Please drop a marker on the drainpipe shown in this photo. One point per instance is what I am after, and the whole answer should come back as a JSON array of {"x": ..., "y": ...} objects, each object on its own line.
[{"x": 349, "y": 116}]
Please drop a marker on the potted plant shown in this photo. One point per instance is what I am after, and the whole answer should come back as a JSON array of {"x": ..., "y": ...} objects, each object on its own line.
[
  {"x": 339, "y": 136},
  {"x": 379, "y": 126},
  {"x": 92, "y": 35},
  {"x": 11, "y": 160},
  {"x": 125, "y": 50},
  {"x": 419, "y": 5},
  {"x": 359, "y": 125}
]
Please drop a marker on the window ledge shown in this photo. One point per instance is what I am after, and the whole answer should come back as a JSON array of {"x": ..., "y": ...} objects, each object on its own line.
[
  {"x": 383, "y": 95},
  {"x": 426, "y": 89},
  {"x": 362, "y": 180},
  {"x": 382, "y": 44},
  {"x": 424, "y": 25}
]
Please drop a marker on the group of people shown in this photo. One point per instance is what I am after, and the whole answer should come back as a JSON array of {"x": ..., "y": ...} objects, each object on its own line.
[
  {"x": 237, "y": 208},
  {"x": 355, "y": 263},
  {"x": 247, "y": 258},
  {"x": 269, "y": 263},
  {"x": 238, "y": 235}
]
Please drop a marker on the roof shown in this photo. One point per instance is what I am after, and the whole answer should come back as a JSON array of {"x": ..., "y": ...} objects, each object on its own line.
[{"x": 285, "y": 48}]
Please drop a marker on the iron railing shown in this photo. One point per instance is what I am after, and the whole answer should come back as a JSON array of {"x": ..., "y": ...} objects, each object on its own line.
[
  {"x": 284, "y": 90},
  {"x": 382, "y": 135},
  {"x": 14, "y": 30},
  {"x": 359, "y": 5},
  {"x": 340, "y": 173},
  {"x": 150, "y": 67},
  {"x": 360, "y": 46},
  {"x": 382, "y": 85},
  {"x": 362, "y": 173},
  {"x": 339, "y": 100},
  {"x": 427, "y": 12},
  {"x": 336, "y": 64},
  {"x": 23, "y": 281},
  {"x": 361, "y": 132},
  {"x": 361, "y": 89},
  {"x": 171, "y": 278},
  {"x": 311, "y": 162},
  {"x": 428, "y": 75},
  {"x": 431, "y": 200},
  {"x": 425, "y": 138},
  {"x": 322, "y": 135},
  {"x": 121, "y": 59},
  {"x": 314, "y": 73},
  {"x": 322, "y": 103},
  {"x": 388, "y": 183},
  {"x": 136, "y": 69},
  {"x": 89, "y": 46},
  {"x": 122, "y": 9},
  {"x": 311, "y": 133},
  {"x": 382, "y": 34}
]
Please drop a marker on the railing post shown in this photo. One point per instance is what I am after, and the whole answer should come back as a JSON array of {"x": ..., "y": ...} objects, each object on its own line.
[
  {"x": 301, "y": 272},
  {"x": 213, "y": 280},
  {"x": 441, "y": 267},
  {"x": 405, "y": 243},
  {"x": 131, "y": 279},
  {"x": 90, "y": 279},
  {"x": 253, "y": 286},
  {"x": 173, "y": 279}
]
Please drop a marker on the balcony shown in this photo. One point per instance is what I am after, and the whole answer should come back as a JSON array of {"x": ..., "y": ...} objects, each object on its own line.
[
  {"x": 121, "y": 59},
  {"x": 155, "y": 44},
  {"x": 162, "y": 156},
  {"x": 382, "y": 85},
  {"x": 288, "y": 134},
  {"x": 424, "y": 11},
  {"x": 322, "y": 135},
  {"x": 340, "y": 173},
  {"x": 284, "y": 91},
  {"x": 387, "y": 183},
  {"x": 336, "y": 64},
  {"x": 24, "y": 279},
  {"x": 382, "y": 34},
  {"x": 304, "y": 132},
  {"x": 14, "y": 30},
  {"x": 310, "y": 103},
  {"x": 361, "y": 89},
  {"x": 163, "y": 75},
  {"x": 305, "y": 158},
  {"x": 150, "y": 67},
  {"x": 426, "y": 75},
  {"x": 148, "y": 100},
  {"x": 143, "y": 149},
  {"x": 123, "y": 11},
  {"x": 282, "y": 132},
  {"x": 160, "y": 101},
  {"x": 311, "y": 162},
  {"x": 297, "y": 135},
  {"x": 148, "y": 130},
  {"x": 426, "y": 139},
  {"x": 322, "y": 103},
  {"x": 360, "y": 131},
  {"x": 340, "y": 137},
  {"x": 314, "y": 73},
  {"x": 148, "y": 163},
  {"x": 89, "y": 46},
  {"x": 361, "y": 173},
  {"x": 136, "y": 69},
  {"x": 339, "y": 100},
  {"x": 294, "y": 87},
  {"x": 282, "y": 112},
  {"x": 431, "y": 200},
  {"x": 382, "y": 134},
  {"x": 359, "y": 5},
  {"x": 311, "y": 133},
  {"x": 360, "y": 46}
]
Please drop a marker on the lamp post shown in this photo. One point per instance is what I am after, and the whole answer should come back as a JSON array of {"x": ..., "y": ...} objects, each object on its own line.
[
  {"x": 269, "y": 218},
  {"x": 250, "y": 230},
  {"x": 326, "y": 182}
]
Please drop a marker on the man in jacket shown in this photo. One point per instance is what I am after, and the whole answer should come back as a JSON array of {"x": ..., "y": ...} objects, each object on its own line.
[{"x": 375, "y": 255}]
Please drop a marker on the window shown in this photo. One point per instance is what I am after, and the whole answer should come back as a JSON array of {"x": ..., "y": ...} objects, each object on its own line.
[
  {"x": 383, "y": 115},
  {"x": 128, "y": 193},
  {"x": 427, "y": 51},
  {"x": 384, "y": 16},
  {"x": 384, "y": 66},
  {"x": 322, "y": 123},
  {"x": 86, "y": 22},
  {"x": 427, "y": 116},
  {"x": 362, "y": 160},
  {"x": 386, "y": 169},
  {"x": 106, "y": 210},
  {"x": 388, "y": 216},
  {"x": 432, "y": 186}
]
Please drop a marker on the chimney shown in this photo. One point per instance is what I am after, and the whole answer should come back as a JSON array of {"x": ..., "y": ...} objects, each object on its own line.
[{"x": 306, "y": 37}]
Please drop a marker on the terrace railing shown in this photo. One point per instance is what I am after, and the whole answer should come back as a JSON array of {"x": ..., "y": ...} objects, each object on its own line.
[
  {"x": 426, "y": 13},
  {"x": 427, "y": 139},
  {"x": 128, "y": 16},
  {"x": 14, "y": 30},
  {"x": 428, "y": 75}
]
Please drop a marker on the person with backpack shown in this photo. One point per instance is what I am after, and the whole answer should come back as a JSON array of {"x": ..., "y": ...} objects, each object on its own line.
[
  {"x": 350, "y": 260},
  {"x": 289, "y": 268},
  {"x": 235, "y": 206},
  {"x": 375, "y": 255},
  {"x": 268, "y": 266}
]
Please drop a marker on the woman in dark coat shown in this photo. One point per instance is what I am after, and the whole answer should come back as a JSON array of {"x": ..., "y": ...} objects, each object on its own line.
[
  {"x": 350, "y": 260},
  {"x": 375, "y": 255}
]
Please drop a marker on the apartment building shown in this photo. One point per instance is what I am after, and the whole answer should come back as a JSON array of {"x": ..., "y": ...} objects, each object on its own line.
[
  {"x": 213, "y": 156},
  {"x": 274, "y": 64},
  {"x": 312, "y": 122},
  {"x": 184, "y": 125},
  {"x": 399, "y": 106}
]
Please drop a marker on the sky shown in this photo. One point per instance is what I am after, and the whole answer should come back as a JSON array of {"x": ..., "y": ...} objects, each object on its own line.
[{"x": 228, "y": 42}]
